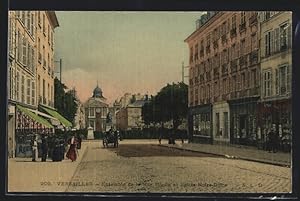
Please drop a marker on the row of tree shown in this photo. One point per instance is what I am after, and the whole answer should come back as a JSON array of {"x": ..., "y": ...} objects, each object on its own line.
[
  {"x": 170, "y": 104},
  {"x": 65, "y": 100}
]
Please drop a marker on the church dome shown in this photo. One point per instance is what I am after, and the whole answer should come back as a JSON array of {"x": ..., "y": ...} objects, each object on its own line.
[{"x": 97, "y": 92}]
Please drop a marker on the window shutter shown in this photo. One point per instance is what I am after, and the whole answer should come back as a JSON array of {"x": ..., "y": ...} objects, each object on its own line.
[
  {"x": 276, "y": 82},
  {"x": 289, "y": 35},
  {"x": 272, "y": 41},
  {"x": 289, "y": 80}
]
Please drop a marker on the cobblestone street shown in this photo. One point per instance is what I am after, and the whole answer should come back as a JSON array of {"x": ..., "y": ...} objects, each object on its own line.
[
  {"x": 132, "y": 168},
  {"x": 143, "y": 166}
]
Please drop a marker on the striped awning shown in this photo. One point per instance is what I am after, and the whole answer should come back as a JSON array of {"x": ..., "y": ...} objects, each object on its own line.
[{"x": 34, "y": 116}]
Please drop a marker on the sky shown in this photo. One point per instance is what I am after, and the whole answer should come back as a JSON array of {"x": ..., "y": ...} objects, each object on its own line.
[{"x": 134, "y": 52}]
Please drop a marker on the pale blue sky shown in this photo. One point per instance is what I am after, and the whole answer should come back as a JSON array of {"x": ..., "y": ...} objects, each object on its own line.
[{"x": 125, "y": 51}]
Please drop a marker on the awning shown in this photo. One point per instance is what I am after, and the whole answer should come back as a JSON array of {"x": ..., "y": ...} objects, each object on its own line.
[
  {"x": 35, "y": 117},
  {"x": 53, "y": 121},
  {"x": 58, "y": 116}
]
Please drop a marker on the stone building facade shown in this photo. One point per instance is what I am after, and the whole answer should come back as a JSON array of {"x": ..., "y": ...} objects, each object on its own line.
[
  {"x": 24, "y": 67},
  {"x": 96, "y": 111},
  {"x": 275, "y": 107},
  {"x": 224, "y": 76}
]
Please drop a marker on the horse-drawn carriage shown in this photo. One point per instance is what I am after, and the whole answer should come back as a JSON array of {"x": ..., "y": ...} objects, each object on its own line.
[{"x": 111, "y": 138}]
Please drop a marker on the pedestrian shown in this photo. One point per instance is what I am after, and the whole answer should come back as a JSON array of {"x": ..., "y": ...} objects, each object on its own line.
[
  {"x": 34, "y": 146},
  {"x": 72, "y": 152},
  {"x": 159, "y": 138},
  {"x": 79, "y": 140},
  {"x": 44, "y": 149}
]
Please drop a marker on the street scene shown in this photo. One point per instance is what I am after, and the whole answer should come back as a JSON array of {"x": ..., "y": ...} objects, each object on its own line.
[{"x": 149, "y": 102}]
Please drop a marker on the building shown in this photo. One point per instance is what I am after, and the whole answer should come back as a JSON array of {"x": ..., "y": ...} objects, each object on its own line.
[
  {"x": 96, "y": 111},
  {"x": 129, "y": 114},
  {"x": 26, "y": 32},
  {"x": 275, "y": 107},
  {"x": 224, "y": 77}
]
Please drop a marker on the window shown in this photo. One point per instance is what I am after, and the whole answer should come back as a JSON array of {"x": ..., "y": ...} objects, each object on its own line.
[
  {"x": 22, "y": 89},
  {"x": 33, "y": 60},
  {"x": 218, "y": 124},
  {"x": 243, "y": 81},
  {"x": 44, "y": 93},
  {"x": 243, "y": 17},
  {"x": 233, "y": 22},
  {"x": 39, "y": 18},
  {"x": 253, "y": 78},
  {"x": 48, "y": 90},
  {"x": 225, "y": 124},
  {"x": 283, "y": 80},
  {"x": 28, "y": 22},
  {"x": 17, "y": 86},
  {"x": 243, "y": 45},
  {"x": 20, "y": 48},
  {"x": 267, "y": 43},
  {"x": 44, "y": 25},
  {"x": 92, "y": 124},
  {"x": 283, "y": 36},
  {"x": 24, "y": 51},
  {"x": 28, "y": 91},
  {"x": 267, "y": 80},
  {"x": 253, "y": 42},
  {"x": 32, "y": 24},
  {"x": 29, "y": 57},
  {"x": 91, "y": 112},
  {"x": 32, "y": 93}
]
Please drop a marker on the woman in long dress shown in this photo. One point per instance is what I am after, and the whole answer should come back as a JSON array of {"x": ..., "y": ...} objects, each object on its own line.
[{"x": 72, "y": 153}]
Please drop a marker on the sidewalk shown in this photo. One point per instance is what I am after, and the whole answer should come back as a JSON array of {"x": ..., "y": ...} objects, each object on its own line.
[
  {"x": 235, "y": 152},
  {"x": 27, "y": 176}
]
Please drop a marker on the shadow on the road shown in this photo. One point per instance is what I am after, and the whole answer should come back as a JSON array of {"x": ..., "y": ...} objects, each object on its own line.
[{"x": 148, "y": 150}]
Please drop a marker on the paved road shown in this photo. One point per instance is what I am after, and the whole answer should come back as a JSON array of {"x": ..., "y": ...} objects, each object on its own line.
[{"x": 141, "y": 166}]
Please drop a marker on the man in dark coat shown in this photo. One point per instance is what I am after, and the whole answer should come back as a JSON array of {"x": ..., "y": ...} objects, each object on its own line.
[{"x": 44, "y": 149}]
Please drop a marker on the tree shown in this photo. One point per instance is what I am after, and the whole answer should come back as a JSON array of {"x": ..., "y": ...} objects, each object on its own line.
[
  {"x": 66, "y": 103},
  {"x": 170, "y": 103}
]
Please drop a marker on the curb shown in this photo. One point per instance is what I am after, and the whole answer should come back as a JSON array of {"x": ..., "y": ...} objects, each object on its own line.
[{"x": 232, "y": 157}]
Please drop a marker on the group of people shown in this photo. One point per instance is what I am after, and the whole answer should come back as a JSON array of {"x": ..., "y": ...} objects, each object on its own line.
[{"x": 57, "y": 149}]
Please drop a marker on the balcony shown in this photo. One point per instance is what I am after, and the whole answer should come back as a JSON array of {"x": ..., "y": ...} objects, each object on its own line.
[
  {"x": 253, "y": 20},
  {"x": 202, "y": 79},
  {"x": 201, "y": 52},
  {"x": 243, "y": 61},
  {"x": 233, "y": 65},
  {"x": 253, "y": 57},
  {"x": 243, "y": 27},
  {"x": 224, "y": 70},
  {"x": 216, "y": 73},
  {"x": 233, "y": 32},
  {"x": 208, "y": 77},
  {"x": 215, "y": 43},
  {"x": 207, "y": 49},
  {"x": 224, "y": 39}
]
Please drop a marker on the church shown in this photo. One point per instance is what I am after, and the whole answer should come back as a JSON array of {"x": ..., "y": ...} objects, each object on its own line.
[{"x": 96, "y": 110}]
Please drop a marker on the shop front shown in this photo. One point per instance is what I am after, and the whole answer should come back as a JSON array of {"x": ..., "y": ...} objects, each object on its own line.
[
  {"x": 276, "y": 115},
  {"x": 200, "y": 124},
  {"x": 28, "y": 126},
  {"x": 243, "y": 121}
]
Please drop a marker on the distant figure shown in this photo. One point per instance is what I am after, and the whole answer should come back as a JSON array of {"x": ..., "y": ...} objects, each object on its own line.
[
  {"x": 72, "y": 152},
  {"x": 34, "y": 146},
  {"x": 159, "y": 139},
  {"x": 272, "y": 141},
  {"x": 44, "y": 149},
  {"x": 79, "y": 142}
]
